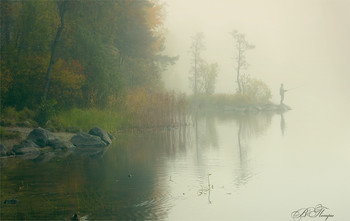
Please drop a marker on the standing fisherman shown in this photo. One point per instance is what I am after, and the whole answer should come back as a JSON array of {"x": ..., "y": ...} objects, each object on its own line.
[{"x": 282, "y": 91}]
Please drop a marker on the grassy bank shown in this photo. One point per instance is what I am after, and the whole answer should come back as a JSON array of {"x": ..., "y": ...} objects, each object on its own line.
[
  {"x": 220, "y": 101},
  {"x": 137, "y": 109},
  {"x": 88, "y": 118}
]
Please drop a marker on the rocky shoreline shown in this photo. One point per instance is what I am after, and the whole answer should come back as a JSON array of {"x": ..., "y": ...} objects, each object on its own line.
[{"x": 40, "y": 142}]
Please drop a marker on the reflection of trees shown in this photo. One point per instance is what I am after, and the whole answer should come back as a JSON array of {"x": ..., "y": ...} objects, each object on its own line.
[
  {"x": 249, "y": 126},
  {"x": 243, "y": 173},
  {"x": 254, "y": 125},
  {"x": 205, "y": 130},
  {"x": 100, "y": 187}
]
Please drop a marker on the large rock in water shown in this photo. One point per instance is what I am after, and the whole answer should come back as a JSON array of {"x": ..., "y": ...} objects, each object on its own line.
[
  {"x": 96, "y": 131},
  {"x": 42, "y": 137},
  {"x": 88, "y": 140}
]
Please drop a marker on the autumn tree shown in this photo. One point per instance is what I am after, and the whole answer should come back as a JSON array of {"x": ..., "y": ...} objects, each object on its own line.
[
  {"x": 62, "y": 7},
  {"x": 241, "y": 47},
  {"x": 24, "y": 51},
  {"x": 255, "y": 89},
  {"x": 79, "y": 52}
]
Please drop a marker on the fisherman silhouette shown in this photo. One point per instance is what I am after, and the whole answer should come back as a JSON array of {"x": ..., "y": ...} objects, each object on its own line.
[{"x": 282, "y": 91}]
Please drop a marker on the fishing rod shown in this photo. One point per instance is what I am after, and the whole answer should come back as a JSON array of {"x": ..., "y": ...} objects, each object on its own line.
[{"x": 294, "y": 88}]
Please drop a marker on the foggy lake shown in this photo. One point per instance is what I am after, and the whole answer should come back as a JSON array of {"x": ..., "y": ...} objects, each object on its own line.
[
  {"x": 224, "y": 166},
  {"x": 166, "y": 78}
]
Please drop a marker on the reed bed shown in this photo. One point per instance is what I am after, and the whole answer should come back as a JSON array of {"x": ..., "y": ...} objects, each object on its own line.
[{"x": 147, "y": 109}]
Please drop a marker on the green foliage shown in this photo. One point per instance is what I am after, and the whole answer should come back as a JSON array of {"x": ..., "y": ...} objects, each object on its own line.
[
  {"x": 46, "y": 110},
  {"x": 105, "y": 47},
  {"x": 4, "y": 134},
  {"x": 9, "y": 113},
  {"x": 26, "y": 114},
  {"x": 140, "y": 108},
  {"x": 24, "y": 118}
]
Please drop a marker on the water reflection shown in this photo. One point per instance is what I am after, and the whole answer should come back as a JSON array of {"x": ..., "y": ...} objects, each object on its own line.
[
  {"x": 140, "y": 176},
  {"x": 243, "y": 127},
  {"x": 283, "y": 124}
]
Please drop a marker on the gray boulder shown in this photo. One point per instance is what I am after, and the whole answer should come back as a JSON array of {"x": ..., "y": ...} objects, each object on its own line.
[
  {"x": 3, "y": 149},
  {"x": 96, "y": 131},
  {"x": 42, "y": 137},
  {"x": 87, "y": 140}
]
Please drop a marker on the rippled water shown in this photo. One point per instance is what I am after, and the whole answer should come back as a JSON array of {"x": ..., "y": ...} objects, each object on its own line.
[{"x": 222, "y": 167}]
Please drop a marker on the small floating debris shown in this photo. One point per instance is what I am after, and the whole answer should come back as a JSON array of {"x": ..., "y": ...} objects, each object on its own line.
[
  {"x": 75, "y": 217},
  {"x": 130, "y": 175},
  {"x": 11, "y": 201}
]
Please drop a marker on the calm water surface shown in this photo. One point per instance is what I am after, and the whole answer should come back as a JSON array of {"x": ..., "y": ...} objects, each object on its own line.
[{"x": 223, "y": 167}]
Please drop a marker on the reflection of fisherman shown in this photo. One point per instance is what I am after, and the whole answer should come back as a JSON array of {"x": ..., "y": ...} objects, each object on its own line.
[
  {"x": 283, "y": 124},
  {"x": 282, "y": 91}
]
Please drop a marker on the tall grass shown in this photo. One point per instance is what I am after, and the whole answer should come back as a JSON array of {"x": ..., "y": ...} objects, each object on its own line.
[
  {"x": 88, "y": 118},
  {"x": 147, "y": 109},
  {"x": 139, "y": 109}
]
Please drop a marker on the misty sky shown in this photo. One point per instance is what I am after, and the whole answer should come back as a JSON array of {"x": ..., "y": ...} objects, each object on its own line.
[{"x": 298, "y": 42}]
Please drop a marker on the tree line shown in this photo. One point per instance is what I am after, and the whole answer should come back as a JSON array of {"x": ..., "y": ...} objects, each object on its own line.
[
  {"x": 79, "y": 53},
  {"x": 203, "y": 74}
]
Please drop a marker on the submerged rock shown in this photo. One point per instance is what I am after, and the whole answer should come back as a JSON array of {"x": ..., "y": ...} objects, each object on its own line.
[
  {"x": 27, "y": 149},
  {"x": 87, "y": 140},
  {"x": 11, "y": 201},
  {"x": 60, "y": 144},
  {"x": 96, "y": 131},
  {"x": 24, "y": 144}
]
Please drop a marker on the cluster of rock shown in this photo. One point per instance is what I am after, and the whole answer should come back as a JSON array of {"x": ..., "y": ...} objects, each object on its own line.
[
  {"x": 254, "y": 108},
  {"x": 39, "y": 138}
]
